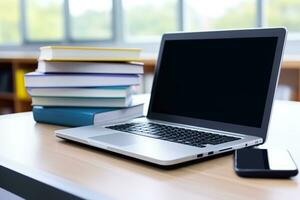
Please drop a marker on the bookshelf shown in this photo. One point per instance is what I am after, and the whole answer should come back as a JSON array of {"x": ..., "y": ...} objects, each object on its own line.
[
  {"x": 11, "y": 62},
  {"x": 10, "y": 101}
]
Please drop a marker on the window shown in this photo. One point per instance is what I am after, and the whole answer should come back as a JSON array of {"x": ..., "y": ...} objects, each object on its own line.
[
  {"x": 136, "y": 21},
  {"x": 216, "y": 14},
  {"x": 283, "y": 13},
  {"x": 90, "y": 19},
  {"x": 44, "y": 20},
  {"x": 9, "y": 22},
  {"x": 148, "y": 19}
]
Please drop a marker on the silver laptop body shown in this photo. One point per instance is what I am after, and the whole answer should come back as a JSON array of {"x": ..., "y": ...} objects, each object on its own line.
[{"x": 243, "y": 64}]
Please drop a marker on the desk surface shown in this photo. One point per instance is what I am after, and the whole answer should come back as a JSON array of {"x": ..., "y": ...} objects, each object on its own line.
[{"x": 34, "y": 145}]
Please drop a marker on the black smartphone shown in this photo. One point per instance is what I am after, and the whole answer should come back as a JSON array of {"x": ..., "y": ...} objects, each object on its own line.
[{"x": 264, "y": 163}]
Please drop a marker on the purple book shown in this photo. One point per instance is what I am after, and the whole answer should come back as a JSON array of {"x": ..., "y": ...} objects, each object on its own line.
[{"x": 37, "y": 79}]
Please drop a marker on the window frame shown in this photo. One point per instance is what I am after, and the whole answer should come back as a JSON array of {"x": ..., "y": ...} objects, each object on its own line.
[
  {"x": 117, "y": 28},
  {"x": 24, "y": 28},
  {"x": 117, "y": 24},
  {"x": 67, "y": 37}
]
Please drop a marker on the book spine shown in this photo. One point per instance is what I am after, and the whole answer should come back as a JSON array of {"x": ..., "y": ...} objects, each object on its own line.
[
  {"x": 6, "y": 84},
  {"x": 20, "y": 85},
  {"x": 62, "y": 117}
]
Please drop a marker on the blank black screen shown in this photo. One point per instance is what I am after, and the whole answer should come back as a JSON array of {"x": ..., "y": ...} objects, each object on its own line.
[
  {"x": 252, "y": 159},
  {"x": 223, "y": 80}
]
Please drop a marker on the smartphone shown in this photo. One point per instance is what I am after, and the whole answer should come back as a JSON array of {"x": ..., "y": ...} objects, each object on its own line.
[{"x": 264, "y": 163}]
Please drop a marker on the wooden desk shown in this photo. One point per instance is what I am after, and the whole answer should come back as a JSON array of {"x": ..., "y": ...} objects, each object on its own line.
[{"x": 34, "y": 145}]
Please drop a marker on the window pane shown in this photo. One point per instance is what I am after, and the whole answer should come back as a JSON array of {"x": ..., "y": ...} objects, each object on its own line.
[
  {"x": 9, "y": 22},
  {"x": 216, "y": 14},
  {"x": 284, "y": 13},
  {"x": 91, "y": 19},
  {"x": 148, "y": 19},
  {"x": 44, "y": 19}
]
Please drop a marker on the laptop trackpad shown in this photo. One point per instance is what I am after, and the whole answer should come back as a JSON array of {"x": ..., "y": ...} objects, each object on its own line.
[{"x": 116, "y": 139}]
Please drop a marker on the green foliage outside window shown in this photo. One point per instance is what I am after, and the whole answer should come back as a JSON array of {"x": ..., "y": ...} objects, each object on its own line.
[{"x": 143, "y": 20}]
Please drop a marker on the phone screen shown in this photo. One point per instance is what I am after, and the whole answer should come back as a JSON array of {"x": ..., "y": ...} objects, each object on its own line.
[{"x": 264, "y": 159}]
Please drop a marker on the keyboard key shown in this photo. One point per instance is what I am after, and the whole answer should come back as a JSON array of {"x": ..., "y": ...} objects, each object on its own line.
[{"x": 174, "y": 134}]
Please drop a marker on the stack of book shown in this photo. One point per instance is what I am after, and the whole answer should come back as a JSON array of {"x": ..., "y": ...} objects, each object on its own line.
[{"x": 77, "y": 86}]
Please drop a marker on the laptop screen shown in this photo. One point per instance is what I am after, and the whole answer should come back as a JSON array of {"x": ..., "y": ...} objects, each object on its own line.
[{"x": 222, "y": 80}]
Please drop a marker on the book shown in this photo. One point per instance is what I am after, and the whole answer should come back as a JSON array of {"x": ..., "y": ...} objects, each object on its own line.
[
  {"x": 81, "y": 102},
  {"x": 37, "y": 79},
  {"x": 96, "y": 92},
  {"x": 20, "y": 85},
  {"x": 76, "y": 53},
  {"x": 91, "y": 67},
  {"x": 6, "y": 82},
  {"x": 74, "y": 117}
]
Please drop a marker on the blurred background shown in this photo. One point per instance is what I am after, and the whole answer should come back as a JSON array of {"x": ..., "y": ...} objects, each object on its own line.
[{"x": 25, "y": 25}]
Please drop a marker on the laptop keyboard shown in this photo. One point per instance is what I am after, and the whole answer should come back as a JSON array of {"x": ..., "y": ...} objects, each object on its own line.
[{"x": 174, "y": 134}]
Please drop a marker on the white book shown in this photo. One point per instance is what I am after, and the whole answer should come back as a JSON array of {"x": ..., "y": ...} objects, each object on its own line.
[
  {"x": 81, "y": 102},
  {"x": 80, "y": 53},
  {"x": 117, "y": 116},
  {"x": 90, "y": 67},
  {"x": 36, "y": 79},
  {"x": 98, "y": 92}
]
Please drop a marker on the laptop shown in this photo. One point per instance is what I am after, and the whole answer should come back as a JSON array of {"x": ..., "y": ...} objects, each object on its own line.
[{"x": 212, "y": 93}]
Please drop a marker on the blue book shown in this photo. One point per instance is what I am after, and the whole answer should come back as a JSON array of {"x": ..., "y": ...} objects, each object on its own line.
[{"x": 77, "y": 116}]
